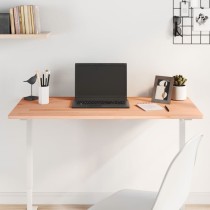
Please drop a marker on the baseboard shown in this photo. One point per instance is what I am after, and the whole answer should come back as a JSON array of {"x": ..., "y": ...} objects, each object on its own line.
[
  {"x": 81, "y": 198},
  {"x": 45, "y": 207},
  {"x": 199, "y": 198},
  {"x": 54, "y": 198}
]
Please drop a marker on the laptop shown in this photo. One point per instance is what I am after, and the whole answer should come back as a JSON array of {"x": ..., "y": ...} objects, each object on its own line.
[{"x": 100, "y": 85}]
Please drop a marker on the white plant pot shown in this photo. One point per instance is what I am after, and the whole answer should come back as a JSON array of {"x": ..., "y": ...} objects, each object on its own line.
[{"x": 179, "y": 93}]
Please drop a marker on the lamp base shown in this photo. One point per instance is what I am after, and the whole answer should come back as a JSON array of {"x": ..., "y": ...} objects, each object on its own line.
[{"x": 31, "y": 98}]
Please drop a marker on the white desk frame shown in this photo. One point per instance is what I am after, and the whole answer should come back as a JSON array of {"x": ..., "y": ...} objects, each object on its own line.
[{"x": 182, "y": 135}]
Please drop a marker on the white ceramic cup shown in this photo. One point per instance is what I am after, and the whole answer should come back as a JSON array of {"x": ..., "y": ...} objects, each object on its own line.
[{"x": 44, "y": 95}]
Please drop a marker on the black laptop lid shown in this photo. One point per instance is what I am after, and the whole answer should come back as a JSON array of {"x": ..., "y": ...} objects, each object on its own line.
[{"x": 101, "y": 80}]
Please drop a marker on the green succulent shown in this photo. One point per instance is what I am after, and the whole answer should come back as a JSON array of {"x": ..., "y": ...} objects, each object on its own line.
[{"x": 179, "y": 80}]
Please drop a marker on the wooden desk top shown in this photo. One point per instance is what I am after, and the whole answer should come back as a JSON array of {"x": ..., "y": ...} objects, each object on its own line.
[{"x": 60, "y": 108}]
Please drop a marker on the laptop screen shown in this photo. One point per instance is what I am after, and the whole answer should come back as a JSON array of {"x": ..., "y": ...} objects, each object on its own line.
[{"x": 101, "y": 80}]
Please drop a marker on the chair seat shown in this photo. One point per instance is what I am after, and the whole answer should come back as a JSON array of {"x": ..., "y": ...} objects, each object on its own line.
[
  {"x": 127, "y": 200},
  {"x": 173, "y": 190}
]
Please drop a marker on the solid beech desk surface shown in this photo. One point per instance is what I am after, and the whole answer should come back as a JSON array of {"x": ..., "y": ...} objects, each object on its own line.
[{"x": 60, "y": 108}]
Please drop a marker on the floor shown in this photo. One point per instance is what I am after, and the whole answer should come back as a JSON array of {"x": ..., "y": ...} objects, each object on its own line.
[{"x": 79, "y": 207}]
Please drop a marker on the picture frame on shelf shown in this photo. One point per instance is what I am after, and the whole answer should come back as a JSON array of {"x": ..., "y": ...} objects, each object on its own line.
[{"x": 162, "y": 90}]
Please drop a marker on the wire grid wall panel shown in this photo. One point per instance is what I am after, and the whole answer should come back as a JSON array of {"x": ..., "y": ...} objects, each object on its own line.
[{"x": 189, "y": 36}]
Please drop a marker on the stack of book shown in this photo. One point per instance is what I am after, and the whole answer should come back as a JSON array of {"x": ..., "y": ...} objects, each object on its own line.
[{"x": 25, "y": 20}]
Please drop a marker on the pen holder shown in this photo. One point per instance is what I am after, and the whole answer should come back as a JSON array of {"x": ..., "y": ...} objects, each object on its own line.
[{"x": 44, "y": 95}]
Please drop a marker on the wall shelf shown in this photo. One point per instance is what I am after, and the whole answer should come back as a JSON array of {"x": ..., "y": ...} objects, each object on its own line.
[{"x": 43, "y": 35}]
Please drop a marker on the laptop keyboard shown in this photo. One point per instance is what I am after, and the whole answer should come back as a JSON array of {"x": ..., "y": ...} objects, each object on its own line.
[{"x": 81, "y": 102}]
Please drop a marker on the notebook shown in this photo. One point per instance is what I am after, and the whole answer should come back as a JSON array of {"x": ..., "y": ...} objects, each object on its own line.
[{"x": 149, "y": 106}]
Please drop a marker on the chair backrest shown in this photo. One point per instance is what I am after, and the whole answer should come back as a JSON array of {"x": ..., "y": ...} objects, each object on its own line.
[{"x": 176, "y": 183}]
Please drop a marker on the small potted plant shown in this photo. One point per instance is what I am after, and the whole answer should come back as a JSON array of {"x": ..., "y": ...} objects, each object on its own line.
[{"x": 179, "y": 89}]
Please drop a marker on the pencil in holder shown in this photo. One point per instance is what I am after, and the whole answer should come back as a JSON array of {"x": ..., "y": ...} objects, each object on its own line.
[{"x": 44, "y": 95}]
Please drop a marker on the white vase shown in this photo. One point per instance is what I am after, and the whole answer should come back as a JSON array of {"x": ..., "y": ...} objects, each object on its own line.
[{"x": 179, "y": 93}]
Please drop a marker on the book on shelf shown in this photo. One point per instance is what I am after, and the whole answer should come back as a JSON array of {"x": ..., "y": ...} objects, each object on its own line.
[
  {"x": 32, "y": 19},
  {"x": 21, "y": 20},
  {"x": 29, "y": 18},
  {"x": 16, "y": 20},
  {"x": 37, "y": 25},
  {"x": 12, "y": 21},
  {"x": 25, "y": 19}
]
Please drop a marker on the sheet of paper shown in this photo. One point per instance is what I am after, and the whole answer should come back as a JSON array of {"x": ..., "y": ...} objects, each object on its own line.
[
  {"x": 149, "y": 106},
  {"x": 184, "y": 9},
  {"x": 201, "y": 19}
]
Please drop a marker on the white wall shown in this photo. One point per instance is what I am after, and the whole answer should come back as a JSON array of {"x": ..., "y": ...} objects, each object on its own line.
[{"x": 99, "y": 156}]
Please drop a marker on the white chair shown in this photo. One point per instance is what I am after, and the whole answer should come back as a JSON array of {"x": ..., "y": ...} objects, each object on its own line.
[{"x": 172, "y": 193}]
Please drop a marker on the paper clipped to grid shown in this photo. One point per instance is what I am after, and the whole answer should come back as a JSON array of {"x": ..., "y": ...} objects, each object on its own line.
[{"x": 149, "y": 106}]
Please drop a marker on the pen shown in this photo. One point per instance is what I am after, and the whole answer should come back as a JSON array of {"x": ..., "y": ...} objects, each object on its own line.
[
  {"x": 48, "y": 78},
  {"x": 43, "y": 80},
  {"x": 38, "y": 78},
  {"x": 47, "y": 74},
  {"x": 166, "y": 108}
]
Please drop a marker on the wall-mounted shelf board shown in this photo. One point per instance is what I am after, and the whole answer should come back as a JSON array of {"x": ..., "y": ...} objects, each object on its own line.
[{"x": 43, "y": 35}]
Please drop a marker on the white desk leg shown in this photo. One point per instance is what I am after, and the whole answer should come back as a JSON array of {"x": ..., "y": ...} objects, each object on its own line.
[
  {"x": 29, "y": 164},
  {"x": 182, "y": 133}
]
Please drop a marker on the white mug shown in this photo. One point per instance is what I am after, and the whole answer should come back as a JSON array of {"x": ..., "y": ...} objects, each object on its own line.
[{"x": 44, "y": 95}]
